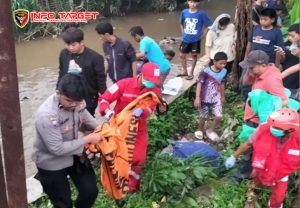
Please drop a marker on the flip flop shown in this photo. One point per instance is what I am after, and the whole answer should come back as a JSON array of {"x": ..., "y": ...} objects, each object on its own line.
[
  {"x": 190, "y": 77},
  {"x": 182, "y": 75}
]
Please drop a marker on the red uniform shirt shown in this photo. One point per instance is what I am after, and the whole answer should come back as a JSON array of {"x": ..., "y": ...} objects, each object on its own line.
[
  {"x": 271, "y": 159},
  {"x": 124, "y": 92}
]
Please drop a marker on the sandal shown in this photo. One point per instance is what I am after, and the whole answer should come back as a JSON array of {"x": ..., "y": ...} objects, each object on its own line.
[
  {"x": 182, "y": 75},
  {"x": 199, "y": 135},
  {"x": 190, "y": 77}
]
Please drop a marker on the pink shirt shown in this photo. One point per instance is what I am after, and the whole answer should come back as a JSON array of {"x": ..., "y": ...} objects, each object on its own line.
[{"x": 271, "y": 82}]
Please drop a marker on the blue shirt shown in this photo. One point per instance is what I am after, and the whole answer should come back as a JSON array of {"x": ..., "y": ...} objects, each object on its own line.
[
  {"x": 211, "y": 85},
  {"x": 154, "y": 54},
  {"x": 192, "y": 24},
  {"x": 271, "y": 4},
  {"x": 265, "y": 40}
]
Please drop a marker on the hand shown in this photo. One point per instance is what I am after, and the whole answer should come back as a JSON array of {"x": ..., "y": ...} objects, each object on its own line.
[
  {"x": 197, "y": 103},
  {"x": 93, "y": 138},
  {"x": 137, "y": 112},
  {"x": 279, "y": 50},
  {"x": 230, "y": 162},
  {"x": 296, "y": 51},
  {"x": 108, "y": 114}
]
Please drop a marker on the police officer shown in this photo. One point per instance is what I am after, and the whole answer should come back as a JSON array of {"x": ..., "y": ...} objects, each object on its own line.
[
  {"x": 58, "y": 150},
  {"x": 276, "y": 153}
]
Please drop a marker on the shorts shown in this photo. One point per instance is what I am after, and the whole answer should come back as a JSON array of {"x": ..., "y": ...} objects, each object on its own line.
[
  {"x": 208, "y": 109},
  {"x": 193, "y": 47}
]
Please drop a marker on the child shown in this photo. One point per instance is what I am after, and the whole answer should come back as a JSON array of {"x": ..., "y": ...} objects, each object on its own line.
[
  {"x": 258, "y": 6},
  {"x": 290, "y": 64},
  {"x": 210, "y": 95},
  {"x": 169, "y": 54},
  {"x": 279, "y": 8},
  {"x": 266, "y": 36},
  {"x": 192, "y": 21}
]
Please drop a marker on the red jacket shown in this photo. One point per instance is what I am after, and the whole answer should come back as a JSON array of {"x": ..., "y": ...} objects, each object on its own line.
[
  {"x": 271, "y": 160},
  {"x": 124, "y": 92}
]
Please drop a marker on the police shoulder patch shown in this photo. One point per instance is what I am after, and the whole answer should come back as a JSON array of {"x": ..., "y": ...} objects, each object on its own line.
[
  {"x": 54, "y": 120},
  {"x": 113, "y": 89}
]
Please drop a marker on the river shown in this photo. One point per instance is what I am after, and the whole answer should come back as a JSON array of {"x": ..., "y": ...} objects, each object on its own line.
[{"x": 37, "y": 60}]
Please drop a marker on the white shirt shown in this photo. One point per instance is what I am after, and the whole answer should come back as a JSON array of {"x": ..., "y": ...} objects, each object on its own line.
[{"x": 221, "y": 41}]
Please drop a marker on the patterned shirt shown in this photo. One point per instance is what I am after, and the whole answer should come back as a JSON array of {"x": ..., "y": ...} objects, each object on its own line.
[{"x": 211, "y": 85}]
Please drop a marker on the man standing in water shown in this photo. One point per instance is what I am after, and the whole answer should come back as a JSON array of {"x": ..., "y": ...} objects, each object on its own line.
[{"x": 76, "y": 57}]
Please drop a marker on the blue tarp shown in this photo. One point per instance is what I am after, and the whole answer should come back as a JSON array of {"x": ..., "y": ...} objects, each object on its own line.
[{"x": 201, "y": 149}]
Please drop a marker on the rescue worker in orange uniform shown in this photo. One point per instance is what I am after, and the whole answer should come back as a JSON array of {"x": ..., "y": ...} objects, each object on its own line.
[
  {"x": 276, "y": 153},
  {"x": 124, "y": 92}
]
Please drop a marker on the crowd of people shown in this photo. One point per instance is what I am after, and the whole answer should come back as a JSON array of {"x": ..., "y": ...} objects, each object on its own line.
[{"x": 271, "y": 152}]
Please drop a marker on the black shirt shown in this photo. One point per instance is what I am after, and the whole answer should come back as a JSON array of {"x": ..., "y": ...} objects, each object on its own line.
[
  {"x": 92, "y": 64},
  {"x": 291, "y": 81},
  {"x": 119, "y": 58},
  {"x": 256, "y": 10}
]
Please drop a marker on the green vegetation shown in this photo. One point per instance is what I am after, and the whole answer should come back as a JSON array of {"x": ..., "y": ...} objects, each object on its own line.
[
  {"x": 106, "y": 8},
  {"x": 294, "y": 6},
  {"x": 174, "y": 183}
]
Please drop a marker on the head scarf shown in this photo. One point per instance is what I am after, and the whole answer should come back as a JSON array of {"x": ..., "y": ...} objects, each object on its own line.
[{"x": 215, "y": 26}]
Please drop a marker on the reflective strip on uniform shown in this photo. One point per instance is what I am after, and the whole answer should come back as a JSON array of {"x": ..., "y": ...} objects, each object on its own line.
[
  {"x": 284, "y": 179},
  {"x": 130, "y": 95},
  {"x": 134, "y": 174},
  {"x": 104, "y": 101},
  {"x": 269, "y": 205}
]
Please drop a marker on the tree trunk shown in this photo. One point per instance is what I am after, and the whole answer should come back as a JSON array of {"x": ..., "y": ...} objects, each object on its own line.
[
  {"x": 106, "y": 10},
  {"x": 243, "y": 21}
]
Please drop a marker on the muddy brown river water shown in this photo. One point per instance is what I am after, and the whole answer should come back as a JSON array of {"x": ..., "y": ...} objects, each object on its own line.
[{"x": 37, "y": 60}]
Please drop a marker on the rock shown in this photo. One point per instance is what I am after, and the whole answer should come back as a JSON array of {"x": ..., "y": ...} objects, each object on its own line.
[
  {"x": 228, "y": 132},
  {"x": 167, "y": 41},
  {"x": 34, "y": 189}
]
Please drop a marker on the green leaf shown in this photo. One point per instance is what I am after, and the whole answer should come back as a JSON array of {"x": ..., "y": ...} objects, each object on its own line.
[{"x": 191, "y": 202}]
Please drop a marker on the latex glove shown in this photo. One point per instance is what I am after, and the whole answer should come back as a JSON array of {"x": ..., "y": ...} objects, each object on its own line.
[
  {"x": 109, "y": 113},
  {"x": 230, "y": 162},
  {"x": 137, "y": 112}
]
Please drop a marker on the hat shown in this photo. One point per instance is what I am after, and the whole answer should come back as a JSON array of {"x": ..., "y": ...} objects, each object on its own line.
[
  {"x": 151, "y": 72},
  {"x": 255, "y": 57}
]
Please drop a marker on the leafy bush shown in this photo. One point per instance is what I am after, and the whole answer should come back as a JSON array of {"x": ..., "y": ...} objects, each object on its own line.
[
  {"x": 175, "y": 179},
  {"x": 229, "y": 195},
  {"x": 181, "y": 118}
]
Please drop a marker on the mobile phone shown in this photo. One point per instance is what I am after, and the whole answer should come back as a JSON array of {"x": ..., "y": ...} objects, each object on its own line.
[{"x": 278, "y": 48}]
